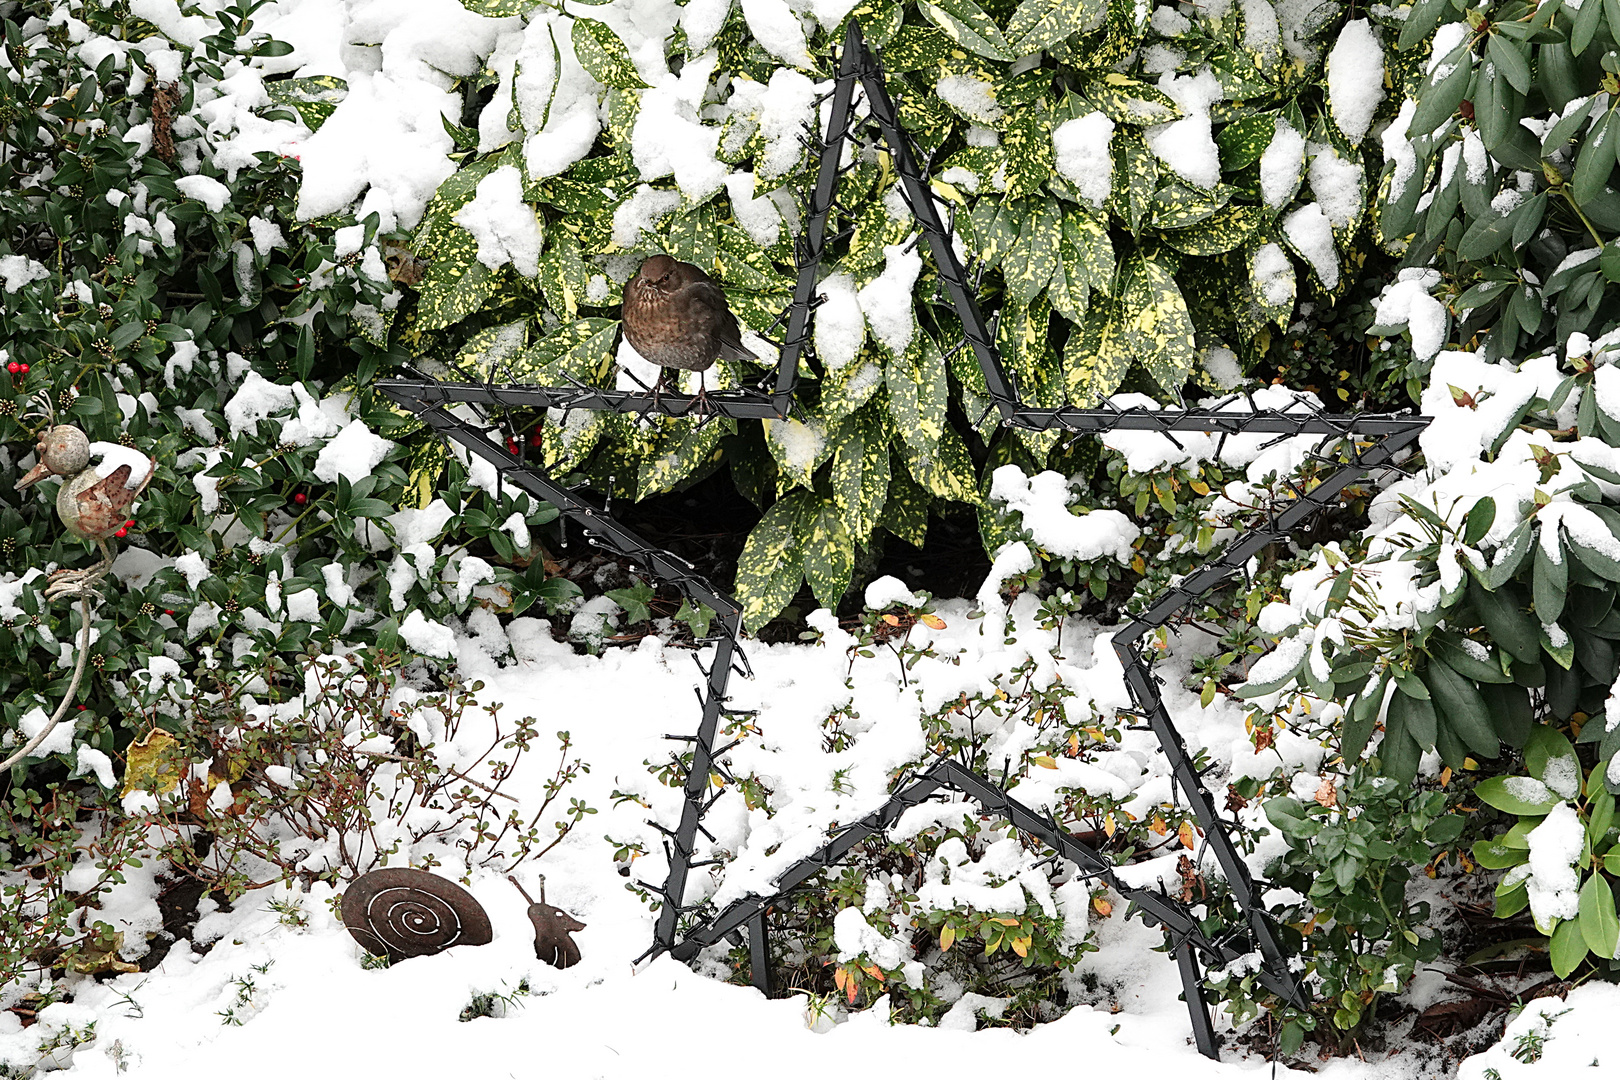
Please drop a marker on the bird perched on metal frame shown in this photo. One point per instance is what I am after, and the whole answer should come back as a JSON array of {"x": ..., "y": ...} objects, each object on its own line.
[
  {"x": 677, "y": 317},
  {"x": 94, "y": 500}
]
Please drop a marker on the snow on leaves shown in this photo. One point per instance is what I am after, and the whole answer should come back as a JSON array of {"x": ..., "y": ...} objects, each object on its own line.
[{"x": 603, "y": 55}]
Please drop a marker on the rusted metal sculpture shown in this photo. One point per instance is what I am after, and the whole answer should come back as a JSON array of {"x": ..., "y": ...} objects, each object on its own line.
[
  {"x": 552, "y": 925},
  {"x": 400, "y": 913}
]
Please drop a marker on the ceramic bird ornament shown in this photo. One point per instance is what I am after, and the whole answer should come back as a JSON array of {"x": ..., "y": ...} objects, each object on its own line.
[
  {"x": 100, "y": 483},
  {"x": 676, "y": 317}
]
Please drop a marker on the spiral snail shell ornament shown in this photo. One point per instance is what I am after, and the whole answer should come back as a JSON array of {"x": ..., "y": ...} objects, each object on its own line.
[{"x": 401, "y": 913}]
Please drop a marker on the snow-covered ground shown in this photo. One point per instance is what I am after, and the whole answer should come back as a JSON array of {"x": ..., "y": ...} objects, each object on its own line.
[{"x": 268, "y": 997}]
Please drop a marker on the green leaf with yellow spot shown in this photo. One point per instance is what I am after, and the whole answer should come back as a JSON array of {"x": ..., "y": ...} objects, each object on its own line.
[
  {"x": 581, "y": 350},
  {"x": 563, "y": 273},
  {"x": 799, "y": 444},
  {"x": 682, "y": 447},
  {"x": 905, "y": 511},
  {"x": 604, "y": 56},
  {"x": 1097, "y": 358},
  {"x": 589, "y": 186},
  {"x": 914, "y": 48},
  {"x": 851, "y": 386},
  {"x": 500, "y": 9},
  {"x": 1029, "y": 265},
  {"x": 1244, "y": 140},
  {"x": 874, "y": 230},
  {"x": 1035, "y": 24},
  {"x": 568, "y": 443},
  {"x": 1125, "y": 100},
  {"x": 1136, "y": 177},
  {"x": 757, "y": 311},
  {"x": 1087, "y": 232},
  {"x": 456, "y": 283},
  {"x": 438, "y": 227},
  {"x": 624, "y": 105},
  {"x": 1157, "y": 326},
  {"x": 693, "y": 236},
  {"x": 1021, "y": 335},
  {"x": 918, "y": 394},
  {"x": 490, "y": 352},
  {"x": 827, "y": 550},
  {"x": 1069, "y": 290},
  {"x": 996, "y": 225},
  {"x": 966, "y": 23},
  {"x": 771, "y": 564},
  {"x": 743, "y": 264},
  {"x": 423, "y": 469},
  {"x": 1222, "y": 231},
  {"x": 860, "y": 470},
  {"x": 947, "y": 470},
  {"x": 1176, "y": 206},
  {"x": 1026, "y": 147},
  {"x": 313, "y": 98}
]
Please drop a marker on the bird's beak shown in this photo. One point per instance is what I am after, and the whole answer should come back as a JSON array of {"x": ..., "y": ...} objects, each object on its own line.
[{"x": 35, "y": 475}]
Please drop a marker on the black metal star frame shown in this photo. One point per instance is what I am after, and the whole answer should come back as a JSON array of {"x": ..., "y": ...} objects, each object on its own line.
[{"x": 1350, "y": 446}]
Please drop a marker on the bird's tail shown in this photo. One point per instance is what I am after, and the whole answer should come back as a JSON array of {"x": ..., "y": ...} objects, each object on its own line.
[{"x": 736, "y": 350}]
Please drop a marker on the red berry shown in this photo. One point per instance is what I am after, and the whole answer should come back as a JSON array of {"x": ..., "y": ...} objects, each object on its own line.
[
  {"x": 121, "y": 533},
  {"x": 129, "y": 524},
  {"x": 14, "y": 367},
  {"x": 535, "y": 439},
  {"x": 83, "y": 707},
  {"x": 300, "y": 498},
  {"x": 168, "y": 611},
  {"x": 24, "y": 368}
]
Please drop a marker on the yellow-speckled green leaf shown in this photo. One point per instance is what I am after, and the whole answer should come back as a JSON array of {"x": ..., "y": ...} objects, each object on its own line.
[
  {"x": 918, "y": 394},
  {"x": 860, "y": 471},
  {"x": 624, "y": 105},
  {"x": 1021, "y": 335},
  {"x": 1125, "y": 100},
  {"x": 1222, "y": 231},
  {"x": 490, "y": 353},
  {"x": 1158, "y": 328},
  {"x": 1245, "y": 139},
  {"x": 682, "y": 447},
  {"x": 1068, "y": 291},
  {"x": 563, "y": 273},
  {"x": 498, "y": 9},
  {"x": 1087, "y": 232},
  {"x": 743, "y": 264},
  {"x": 590, "y": 187},
  {"x": 581, "y": 350},
  {"x": 757, "y": 311},
  {"x": 916, "y": 47},
  {"x": 1136, "y": 176},
  {"x": 604, "y": 56},
  {"x": 693, "y": 236},
  {"x": 456, "y": 284},
  {"x": 771, "y": 564},
  {"x": 312, "y": 98},
  {"x": 874, "y": 230},
  {"x": 1035, "y": 24},
  {"x": 567, "y": 444},
  {"x": 851, "y": 386},
  {"x": 1026, "y": 146},
  {"x": 828, "y": 550},
  {"x": 948, "y": 470},
  {"x": 438, "y": 226},
  {"x": 965, "y": 23},
  {"x": 1097, "y": 358},
  {"x": 799, "y": 444},
  {"x": 1176, "y": 206},
  {"x": 1029, "y": 265},
  {"x": 905, "y": 511},
  {"x": 425, "y": 465},
  {"x": 995, "y": 229}
]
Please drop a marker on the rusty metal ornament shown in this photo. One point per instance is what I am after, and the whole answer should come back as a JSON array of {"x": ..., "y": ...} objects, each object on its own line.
[
  {"x": 552, "y": 925},
  {"x": 402, "y": 913}
]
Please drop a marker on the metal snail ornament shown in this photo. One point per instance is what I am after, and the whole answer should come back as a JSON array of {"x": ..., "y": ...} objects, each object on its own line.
[
  {"x": 93, "y": 503},
  {"x": 401, "y": 913},
  {"x": 552, "y": 925}
]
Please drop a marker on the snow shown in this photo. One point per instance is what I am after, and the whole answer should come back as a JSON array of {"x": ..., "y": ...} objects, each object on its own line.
[
  {"x": 1081, "y": 149},
  {"x": 59, "y": 741},
  {"x": 973, "y": 97},
  {"x": 886, "y": 300},
  {"x": 1355, "y": 78},
  {"x": 193, "y": 566},
  {"x": 1406, "y": 301},
  {"x": 1274, "y": 273},
  {"x": 1336, "y": 182},
  {"x": 427, "y": 637},
  {"x": 504, "y": 225},
  {"x": 1187, "y": 145},
  {"x": 1554, "y": 883},
  {"x": 1309, "y": 230},
  {"x": 885, "y": 592},
  {"x": 351, "y": 454},
  {"x": 757, "y": 215},
  {"x": 778, "y": 30},
  {"x": 115, "y": 455},
  {"x": 1281, "y": 164},
  {"x": 670, "y": 140},
  {"x": 1042, "y": 501},
  {"x": 840, "y": 325},
  {"x": 206, "y": 190},
  {"x": 18, "y": 270},
  {"x": 640, "y": 212}
]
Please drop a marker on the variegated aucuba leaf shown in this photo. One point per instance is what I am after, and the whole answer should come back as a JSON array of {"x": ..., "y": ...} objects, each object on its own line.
[
  {"x": 1068, "y": 297},
  {"x": 494, "y": 351},
  {"x": 693, "y": 236},
  {"x": 1086, "y": 231},
  {"x": 757, "y": 311},
  {"x": 1240, "y": 76},
  {"x": 425, "y": 464},
  {"x": 1035, "y": 24},
  {"x": 1125, "y": 100},
  {"x": 1244, "y": 140},
  {"x": 590, "y": 187},
  {"x": 1026, "y": 146},
  {"x": 581, "y": 350},
  {"x": 966, "y": 23},
  {"x": 995, "y": 228},
  {"x": 623, "y": 107},
  {"x": 880, "y": 23},
  {"x": 1158, "y": 328},
  {"x": 603, "y": 55},
  {"x": 851, "y": 386},
  {"x": 771, "y": 564},
  {"x": 1272, "y": 281},
  {"x": 827, "y": 550},
  {"x": 1029, "y": 265},
  {"x": 860, "y": 470},
  {"x": 799, "y": 444},
  {"x": 1176, "y": 206},
  {"x": 565, "y": 444},
  {"x": 1136, "y": 177},
  {"x": 1097, "y": 358},
  {"x": 456, "y": 283},
  {"x": 683, "y": 447},
  {"x": 973, "y": 392},
  {"x": 874, "y": 230},
  {"x": 564, "y": 276},
  {"x": 905, "y": 511},
  {"x": 945, "y": 469},
  {"x": 1222, "y": 231},
  {"x": 743, "y": 264},
  {"x": 313, "y": 99},
  {"x": 918, "y": 394},
  {"x": 1021, "y": 337},
  {"x": 438, "y": 224}
]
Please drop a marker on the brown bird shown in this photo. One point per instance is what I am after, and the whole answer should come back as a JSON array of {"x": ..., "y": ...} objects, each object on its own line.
[
  {"x": 677, "y": 317},
  {"x": 552, "y": 925},
  {"x": 91, "y": 505}
]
